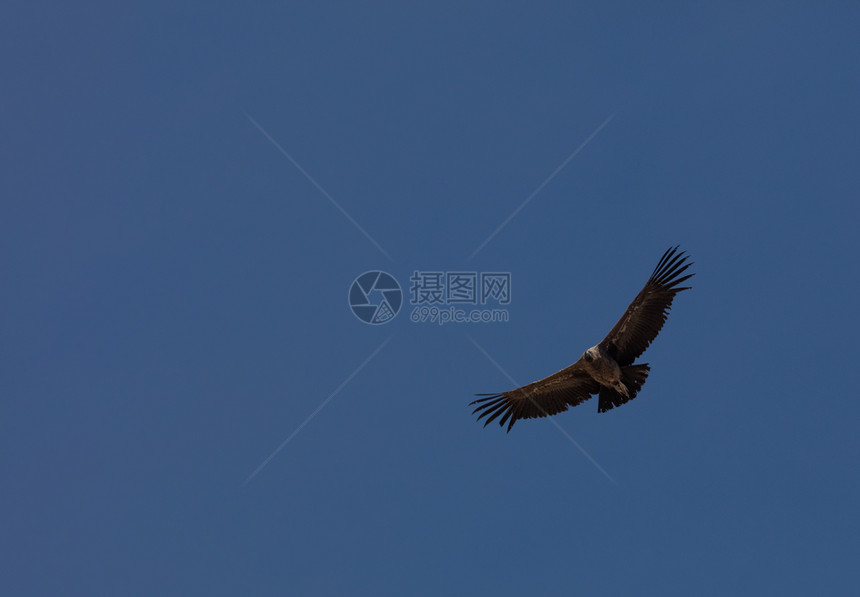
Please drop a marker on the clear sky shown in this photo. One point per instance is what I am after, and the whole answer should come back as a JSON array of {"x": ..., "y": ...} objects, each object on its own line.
[{"x": 189, "y": 192}]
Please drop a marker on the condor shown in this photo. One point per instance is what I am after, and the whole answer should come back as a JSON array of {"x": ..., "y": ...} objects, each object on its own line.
[{"x": 606, "y": 369}]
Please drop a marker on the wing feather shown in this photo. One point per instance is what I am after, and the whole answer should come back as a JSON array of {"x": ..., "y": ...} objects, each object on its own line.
[
  {"x": 645, "y": 316},
  {"x": 548, "y": 396}
]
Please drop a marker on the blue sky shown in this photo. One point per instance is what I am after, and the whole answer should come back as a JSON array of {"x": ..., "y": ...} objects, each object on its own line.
[{"x": 175, "y": 290}]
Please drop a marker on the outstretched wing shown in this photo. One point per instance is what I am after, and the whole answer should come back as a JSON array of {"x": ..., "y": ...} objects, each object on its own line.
[
  {"x": 549, "y": 396},
  {"x": 646, "y": 315}
]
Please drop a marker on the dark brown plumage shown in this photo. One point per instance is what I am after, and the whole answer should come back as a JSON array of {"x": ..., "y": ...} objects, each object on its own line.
[{"x": 606, "y": 369}]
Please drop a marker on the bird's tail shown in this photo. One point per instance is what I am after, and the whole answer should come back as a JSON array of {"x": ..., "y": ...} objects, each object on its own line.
[{"x": 632, "y": 376}]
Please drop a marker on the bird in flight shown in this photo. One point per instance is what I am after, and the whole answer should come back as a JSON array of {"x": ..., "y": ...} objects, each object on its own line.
[{"x": 606, "y": 369}]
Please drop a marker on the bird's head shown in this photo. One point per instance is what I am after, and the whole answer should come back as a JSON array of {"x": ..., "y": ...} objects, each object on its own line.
[{"x": 590, "y": 355}]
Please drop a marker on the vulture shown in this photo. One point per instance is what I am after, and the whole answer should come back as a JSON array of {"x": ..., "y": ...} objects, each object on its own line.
[{"x": 606, "y": 369}]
